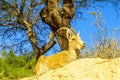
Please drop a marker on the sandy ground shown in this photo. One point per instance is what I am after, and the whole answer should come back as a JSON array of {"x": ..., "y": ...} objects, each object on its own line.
[{"x": 84, "y": 69}]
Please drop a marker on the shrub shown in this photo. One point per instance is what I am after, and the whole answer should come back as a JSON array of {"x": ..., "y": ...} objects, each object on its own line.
[
  {"x": 108, "y": 48},
  {"x": 13, "y": 67}
]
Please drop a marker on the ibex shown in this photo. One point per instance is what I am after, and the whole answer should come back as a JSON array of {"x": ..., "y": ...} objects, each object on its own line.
[{"x": 60, "y": 59}]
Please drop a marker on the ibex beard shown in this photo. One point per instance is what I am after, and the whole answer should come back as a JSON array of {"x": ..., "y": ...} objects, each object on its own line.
[{"x": 60, "y": 59}]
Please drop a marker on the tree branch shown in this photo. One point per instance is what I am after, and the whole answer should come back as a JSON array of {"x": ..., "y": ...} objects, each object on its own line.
[
  {"x": 35, "y": 4},
  {"x": 46, "y": 47},
  {"x": 68, "y": 9},
  {"x": 15, "y": 2},
  {"x": 51, "y": 43},
  {"x": 22, "y": 7},
  {"x": 28, "y": 12},
  {"x": 30, "y": 7},
  {"x": 4, "y": 6},
  {"x": 35, "y": 20}
]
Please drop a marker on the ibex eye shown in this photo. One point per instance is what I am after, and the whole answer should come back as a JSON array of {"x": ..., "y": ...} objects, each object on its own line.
[{"x": 73, "y": 39}]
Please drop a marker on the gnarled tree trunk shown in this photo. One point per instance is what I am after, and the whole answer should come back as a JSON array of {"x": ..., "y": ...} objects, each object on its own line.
[{"x": 58, "y": 18}]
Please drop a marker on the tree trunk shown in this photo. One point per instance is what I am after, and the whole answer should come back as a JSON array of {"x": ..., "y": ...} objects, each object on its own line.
[
  {"x": 33, "y": 39},
  {"x": 39, "y": 51},
  {"x": 58, "y": 18},
  {"x": 31, "y": 35}
]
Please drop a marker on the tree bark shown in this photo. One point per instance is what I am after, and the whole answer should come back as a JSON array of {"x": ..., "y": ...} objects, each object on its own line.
[
  {"x": 40, "y": 51},
  {"x": 58, "y": 18},
  {"x": 33, "y": 39},
  {"x": 31, "y": 35},
  {"x": 46, "y": 47}
]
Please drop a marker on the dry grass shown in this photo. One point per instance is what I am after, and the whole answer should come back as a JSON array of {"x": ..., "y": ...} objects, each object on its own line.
[
  {"x": 107, "y": 49},
  {"x": 104, "y": 46}
]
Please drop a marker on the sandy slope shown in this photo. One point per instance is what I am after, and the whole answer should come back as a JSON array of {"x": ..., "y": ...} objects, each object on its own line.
[{"x": 84, "y": 69}]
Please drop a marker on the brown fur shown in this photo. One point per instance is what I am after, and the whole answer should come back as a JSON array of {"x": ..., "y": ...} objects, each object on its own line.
[{"x": 60, "y": 59}]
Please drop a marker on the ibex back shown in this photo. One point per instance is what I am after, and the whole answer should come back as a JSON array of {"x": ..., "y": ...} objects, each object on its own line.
[{"x": 60, "y": 59}]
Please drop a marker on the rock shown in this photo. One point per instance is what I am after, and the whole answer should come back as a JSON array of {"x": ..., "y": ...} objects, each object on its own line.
[{"x": 84, "y": 69}]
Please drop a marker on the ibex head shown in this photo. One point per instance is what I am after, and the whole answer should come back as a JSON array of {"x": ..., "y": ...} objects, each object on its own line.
[{"x": 76, "y": 42}]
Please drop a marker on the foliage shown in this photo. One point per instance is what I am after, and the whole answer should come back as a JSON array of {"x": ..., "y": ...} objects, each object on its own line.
[
  {"x": 107, "y": 48},
  {"x": 14, "y": 67}
]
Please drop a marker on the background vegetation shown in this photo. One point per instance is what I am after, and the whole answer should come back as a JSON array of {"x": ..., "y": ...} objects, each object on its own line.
[
  {"x": 105, "y": 46},
  {"x": 13, "y": 67}
]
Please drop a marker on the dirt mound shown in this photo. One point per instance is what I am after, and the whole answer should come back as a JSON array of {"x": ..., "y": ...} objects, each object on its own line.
[{"x": 84, "y": 69}]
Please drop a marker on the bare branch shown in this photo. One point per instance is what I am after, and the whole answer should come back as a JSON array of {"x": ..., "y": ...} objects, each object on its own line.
[
  {"x": 5, "y": 25},
  {"x": 46, "y": 47},
  {"x": 22, "y": 7},
  {"x": 35, "y": 20},
  {"x": 30, "y": 7},
  {"x": 35, "y": 4},
  {"x": 15, "y": 2},
  {"x": 18, "y": 44},
  {"x": 51, "y": 43},
  {"x": 28, "y": 12},
  {"x": 4, "y": 8}
]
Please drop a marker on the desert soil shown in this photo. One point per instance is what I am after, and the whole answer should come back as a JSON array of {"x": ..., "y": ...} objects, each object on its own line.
[{"x": 84, "y": 69}]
